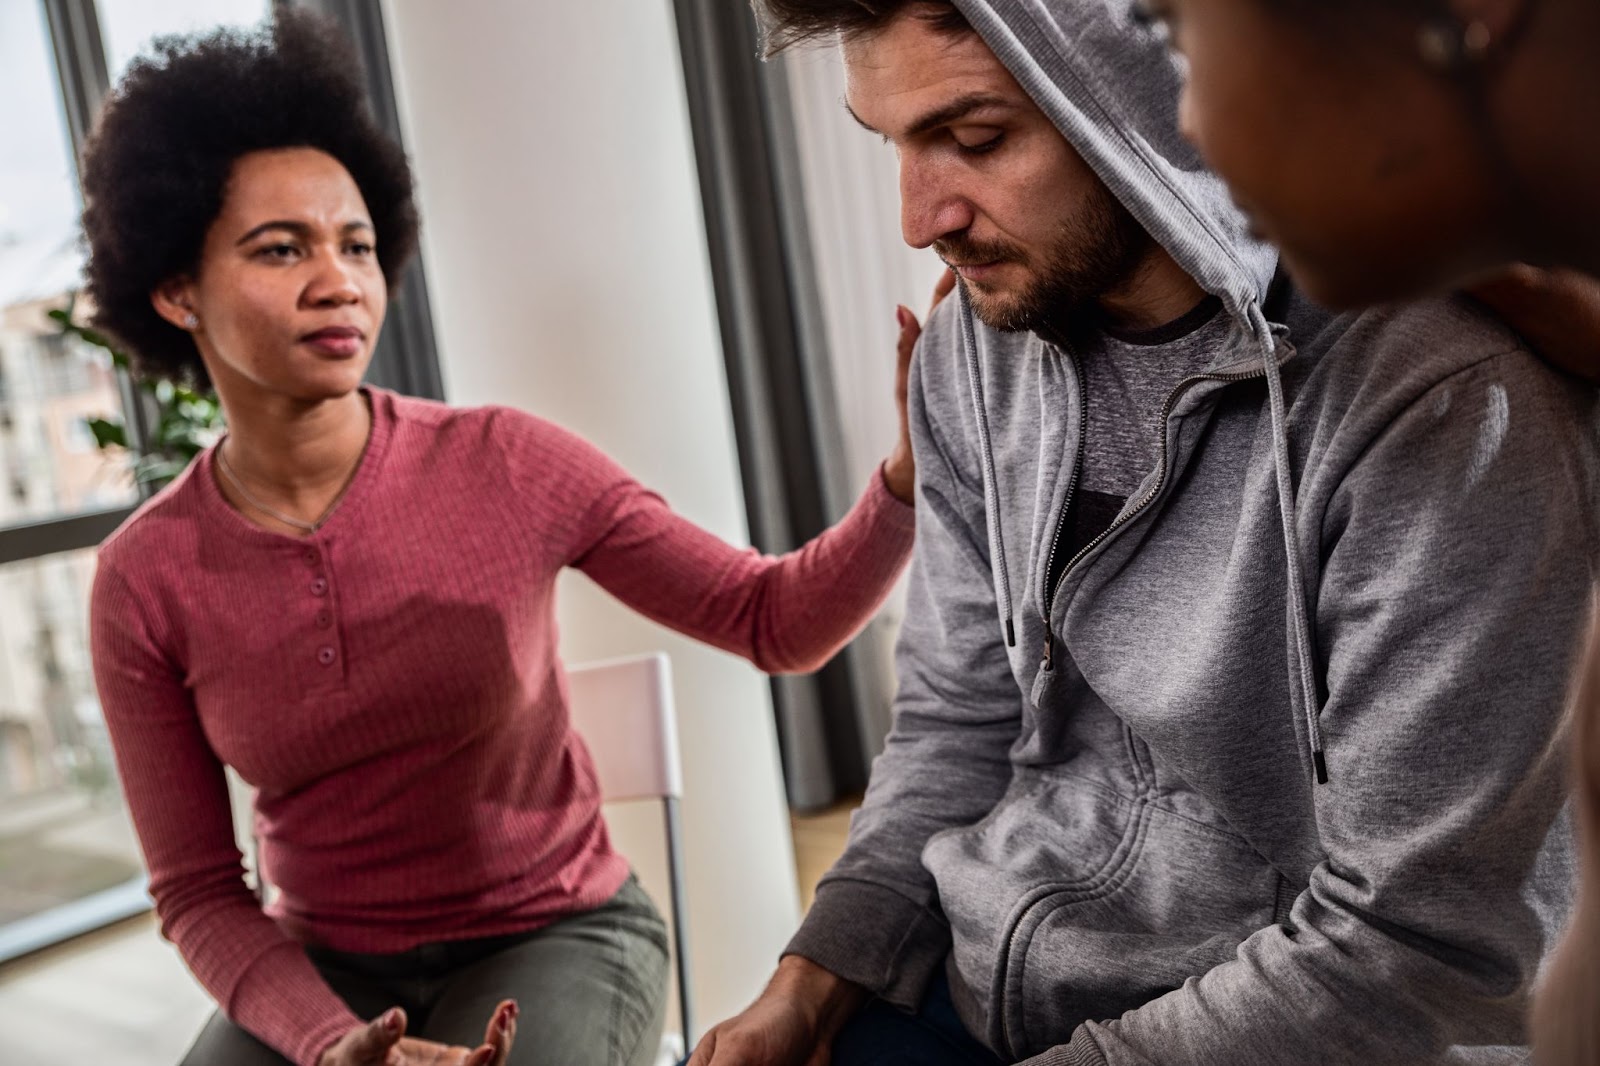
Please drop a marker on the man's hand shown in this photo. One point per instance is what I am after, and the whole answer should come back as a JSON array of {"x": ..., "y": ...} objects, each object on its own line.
[
  {"x": 382, "y": 1042},
  {"x": 1556, "y": 311},
  {"x": 900, "y": 469},
  {"x": 793, "y": 1023}
]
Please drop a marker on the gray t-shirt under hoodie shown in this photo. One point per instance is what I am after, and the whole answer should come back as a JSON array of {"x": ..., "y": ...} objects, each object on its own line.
[{"x": 1127, "y": 376}]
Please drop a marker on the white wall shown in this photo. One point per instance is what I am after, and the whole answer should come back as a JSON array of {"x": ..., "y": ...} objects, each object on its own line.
[{"x": 565, "y": 249}]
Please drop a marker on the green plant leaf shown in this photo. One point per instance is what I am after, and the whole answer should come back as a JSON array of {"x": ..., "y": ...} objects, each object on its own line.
[
  {"x": 107, "y": 433},
  {"x": 186, "y": 421},
  {"x": 157, "y": 470}
]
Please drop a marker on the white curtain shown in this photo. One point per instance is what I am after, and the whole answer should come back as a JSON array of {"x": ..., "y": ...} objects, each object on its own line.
[{"x": 863, "y": 270}]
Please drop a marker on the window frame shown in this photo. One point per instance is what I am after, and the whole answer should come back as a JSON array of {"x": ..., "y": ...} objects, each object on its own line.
[
  {"x": 73, "y": 27},
  {"x": 406, "y": 360}
]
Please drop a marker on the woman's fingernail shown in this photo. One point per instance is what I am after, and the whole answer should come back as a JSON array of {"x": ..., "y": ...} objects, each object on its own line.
[
  {"x": 902, "y": 316},
  {"x": 391, "y": 1019},
  {"x": 511, "y": 1008}
]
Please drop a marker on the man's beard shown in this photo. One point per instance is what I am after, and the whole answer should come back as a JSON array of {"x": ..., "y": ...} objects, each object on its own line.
[{"x": 1096, "y": 252}]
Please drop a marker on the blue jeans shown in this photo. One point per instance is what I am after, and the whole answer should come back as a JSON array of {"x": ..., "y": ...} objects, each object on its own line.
[{"x": 881, "y": 1035}]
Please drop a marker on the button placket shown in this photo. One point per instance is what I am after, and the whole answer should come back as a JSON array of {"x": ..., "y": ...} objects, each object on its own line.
[{"x": 327, "y": 647}]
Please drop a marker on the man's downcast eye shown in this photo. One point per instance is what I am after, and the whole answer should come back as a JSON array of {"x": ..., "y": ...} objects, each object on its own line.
[{"x": 981, "y": 145}]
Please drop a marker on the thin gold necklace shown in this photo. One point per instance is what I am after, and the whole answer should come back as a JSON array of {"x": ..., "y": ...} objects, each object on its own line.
[{"x": 289, "y": 520}]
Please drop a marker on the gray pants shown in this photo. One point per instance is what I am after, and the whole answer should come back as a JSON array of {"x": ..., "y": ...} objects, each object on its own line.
[{"x": 591, "y": 990}]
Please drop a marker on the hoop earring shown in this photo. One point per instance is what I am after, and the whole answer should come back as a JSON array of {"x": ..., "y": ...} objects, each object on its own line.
[{"x": 1452, "y": 46}]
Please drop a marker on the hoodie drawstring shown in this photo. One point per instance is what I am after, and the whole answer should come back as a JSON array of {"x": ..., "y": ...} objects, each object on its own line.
[
  {"x": 1304, "y": 657},
  {"x": 1295, "y": 580},
  {"x": 991, "y": 490}
]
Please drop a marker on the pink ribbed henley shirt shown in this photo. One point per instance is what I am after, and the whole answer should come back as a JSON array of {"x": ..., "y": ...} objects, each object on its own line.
[{"x": 390, "y": 686}]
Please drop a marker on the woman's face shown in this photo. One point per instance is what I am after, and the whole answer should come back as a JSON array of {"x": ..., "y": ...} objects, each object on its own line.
[
  {"x": 1344, "y": 147},
  {"x": 289, "y": 294}
]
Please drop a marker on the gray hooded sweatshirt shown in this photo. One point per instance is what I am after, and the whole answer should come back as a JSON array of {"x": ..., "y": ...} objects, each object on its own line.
[{"x": 1365, "y": 548}]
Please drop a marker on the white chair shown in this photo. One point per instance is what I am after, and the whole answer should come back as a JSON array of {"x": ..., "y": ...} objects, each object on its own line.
[{"x": 624, "y": 711}]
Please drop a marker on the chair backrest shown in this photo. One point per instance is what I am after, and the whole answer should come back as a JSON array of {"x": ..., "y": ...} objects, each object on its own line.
[{"x": 623, "y": 710}]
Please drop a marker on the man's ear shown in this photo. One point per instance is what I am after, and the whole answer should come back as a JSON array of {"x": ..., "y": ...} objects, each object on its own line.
[{"x": 174, "y": 301}]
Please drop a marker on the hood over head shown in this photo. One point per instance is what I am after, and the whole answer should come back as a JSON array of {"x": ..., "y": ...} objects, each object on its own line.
[{"x": 1111, "y": 86}]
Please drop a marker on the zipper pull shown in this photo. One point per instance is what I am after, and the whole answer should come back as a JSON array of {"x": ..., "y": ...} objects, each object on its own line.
[{"x": 1049, "y": 644}]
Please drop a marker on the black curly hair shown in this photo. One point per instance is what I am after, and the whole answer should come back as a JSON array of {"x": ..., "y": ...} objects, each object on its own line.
[{"x": 156, "y": 168}]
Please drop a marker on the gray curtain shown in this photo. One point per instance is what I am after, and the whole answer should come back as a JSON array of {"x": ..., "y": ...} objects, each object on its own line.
[{"x": 830, "y": 724}]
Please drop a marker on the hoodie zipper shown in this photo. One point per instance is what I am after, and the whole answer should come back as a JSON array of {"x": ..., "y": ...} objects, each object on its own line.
[
  {"x": 1015, "y": 936},
  {"x": 1066, "y": 503},
  {"x": 1127, "y": 516}
]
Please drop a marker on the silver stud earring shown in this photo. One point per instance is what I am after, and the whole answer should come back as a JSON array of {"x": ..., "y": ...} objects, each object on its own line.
[{"x": 191, "y": 321}]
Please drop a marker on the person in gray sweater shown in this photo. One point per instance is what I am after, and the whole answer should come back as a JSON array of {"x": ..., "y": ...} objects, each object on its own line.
[{"x": 1233, "y": 668}]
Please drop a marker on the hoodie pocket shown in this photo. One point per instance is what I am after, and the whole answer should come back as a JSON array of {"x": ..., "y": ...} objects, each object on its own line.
[{"x": 1184, "y": 901}]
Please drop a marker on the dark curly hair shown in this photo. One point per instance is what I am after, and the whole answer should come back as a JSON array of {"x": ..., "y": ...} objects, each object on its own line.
[
  {"x": 157, "y": 166},
  {"x": 786, "y": 23}
]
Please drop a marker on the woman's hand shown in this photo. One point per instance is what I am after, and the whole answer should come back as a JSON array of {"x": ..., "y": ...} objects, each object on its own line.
[
  {"x": 1556, "y": 311},
  {"x": 900, "y": 469},
  {"x": 382, "y": 1042}
]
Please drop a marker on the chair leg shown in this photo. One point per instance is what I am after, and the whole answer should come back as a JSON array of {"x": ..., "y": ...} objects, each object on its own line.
[{"x": 680, "y": 932}]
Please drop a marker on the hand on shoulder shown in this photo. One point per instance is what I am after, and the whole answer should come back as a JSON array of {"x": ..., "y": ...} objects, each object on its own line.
[
  {"x": 900, "y": 469},
  {"x": 1556, "y": 311}
]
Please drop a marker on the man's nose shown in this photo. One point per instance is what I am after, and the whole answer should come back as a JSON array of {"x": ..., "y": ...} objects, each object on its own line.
[{"x": 931, "y": 206}]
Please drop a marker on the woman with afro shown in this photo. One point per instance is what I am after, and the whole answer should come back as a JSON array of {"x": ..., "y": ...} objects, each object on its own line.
[{"x": 350, "y": 601}]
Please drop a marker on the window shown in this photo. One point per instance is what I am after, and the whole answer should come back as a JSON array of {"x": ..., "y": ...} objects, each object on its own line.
[
  {"x": 45, "y": 380},
  {"x": 68, "y": 858},
  {"x": 128, "y": 26},
  {"x": 64, "y": 835}
]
